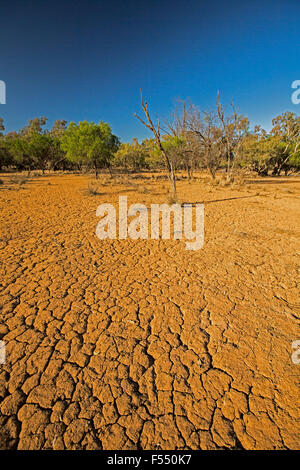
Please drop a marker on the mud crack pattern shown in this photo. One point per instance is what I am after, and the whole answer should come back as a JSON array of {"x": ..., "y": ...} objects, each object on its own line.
[{"x": 142, "y": 344}]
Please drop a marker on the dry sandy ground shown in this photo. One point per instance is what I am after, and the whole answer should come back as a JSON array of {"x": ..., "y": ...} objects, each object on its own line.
[{"x": 143, "y": 344}]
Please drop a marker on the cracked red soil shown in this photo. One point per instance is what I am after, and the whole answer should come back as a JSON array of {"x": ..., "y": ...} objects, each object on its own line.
[{"x": 143, "y": 344}]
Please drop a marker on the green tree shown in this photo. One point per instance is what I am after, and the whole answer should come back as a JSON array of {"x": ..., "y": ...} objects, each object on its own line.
[
  {"x": 89, "y": 143},
  {"x": 2, "y": 128},
  {"x": 30, "y": 147},
  {"x": 174, "y": 146},
  {"x": 153, "y": 158},
  {"x": 131, "y": 155},
  {"x": 277, "y": 151},
  {"x": 293, "y": 163},
  {"x": 57, "y": 154},
  {"x": 18, "y": 146},
  {"x": 34, "y": 126},
  {"x": 39, "y": 149},
  {"x": 4, "y": 154},
  {"x": 286, "y": 129},
  {"x": 58, "y": 128}
]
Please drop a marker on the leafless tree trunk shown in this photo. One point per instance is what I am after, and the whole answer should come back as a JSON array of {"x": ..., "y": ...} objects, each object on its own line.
[
  {"x": 156, "y": 133},
  {"x": 203, "y": 137},
  {"x": 234, "y": 128},
  {"x": 96, "y": 170},
  {"x": 226, "y": 134}
]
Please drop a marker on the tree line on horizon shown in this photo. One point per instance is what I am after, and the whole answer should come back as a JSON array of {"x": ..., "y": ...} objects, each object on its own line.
[{"x": 190, "y": 139}]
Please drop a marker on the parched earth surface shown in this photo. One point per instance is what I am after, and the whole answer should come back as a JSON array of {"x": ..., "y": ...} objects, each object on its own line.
[{"x": 123, "y": 344}]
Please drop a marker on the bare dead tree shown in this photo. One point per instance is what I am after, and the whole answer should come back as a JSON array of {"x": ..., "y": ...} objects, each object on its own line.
[
  {"x": 156, "y": 132},
  {"x": 234, "y": 128},
  {"x": 205, "y": 136},
  {"x": 227, "y": 136},
  {"x": 175, "y": 126}
]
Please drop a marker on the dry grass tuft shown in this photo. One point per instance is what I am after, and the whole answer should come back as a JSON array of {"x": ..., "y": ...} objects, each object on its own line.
[
  {"x": 171, "y": 199},
  {"x": 144, "y": 190},
  {"x": 19, "y": 180},
  {"x": 93, "y": 189}
]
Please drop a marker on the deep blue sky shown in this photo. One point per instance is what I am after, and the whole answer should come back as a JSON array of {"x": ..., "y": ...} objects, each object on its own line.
[{"x": 78, "y": 60}]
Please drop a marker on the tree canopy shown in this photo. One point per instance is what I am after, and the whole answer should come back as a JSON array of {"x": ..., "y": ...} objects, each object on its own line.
[{"x": 90, "y": 143}]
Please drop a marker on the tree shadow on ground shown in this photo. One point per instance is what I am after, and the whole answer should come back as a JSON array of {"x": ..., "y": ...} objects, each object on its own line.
[
  {"x": 272, "y": 181},
  {"x": 215, "y": 200}
]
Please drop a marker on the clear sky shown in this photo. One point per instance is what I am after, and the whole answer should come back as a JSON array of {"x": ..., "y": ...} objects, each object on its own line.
[{"x": 79, "y": 60}]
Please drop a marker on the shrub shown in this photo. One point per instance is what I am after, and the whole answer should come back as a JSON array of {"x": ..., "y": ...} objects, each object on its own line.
[
  {"x": 143, "y": 190},
  {"x": 93, "y": 189},
  {"x": 171, "y": 199},
  {"x": 19, "y": 180}
]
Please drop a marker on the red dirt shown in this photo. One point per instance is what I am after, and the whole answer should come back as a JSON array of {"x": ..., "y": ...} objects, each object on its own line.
[{"x": 142, "y": 344}]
